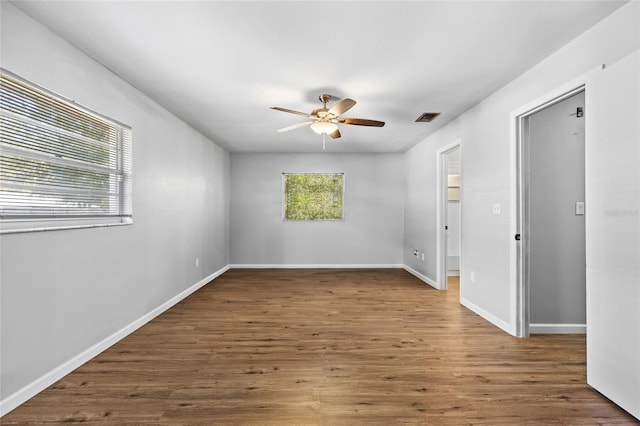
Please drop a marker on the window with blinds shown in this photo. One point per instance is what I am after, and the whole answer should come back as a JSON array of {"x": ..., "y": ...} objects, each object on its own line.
[{"x": 60, "y": 163}]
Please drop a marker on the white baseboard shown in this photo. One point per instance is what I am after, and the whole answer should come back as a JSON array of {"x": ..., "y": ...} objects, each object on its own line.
[
  {"x": 422, "y": 277},
  {"x": 314, "y": 266},
  {"x": 453, "y": 273},
  {"x": 489, "y": 317},
  {"x": 335, "y": 266},
  {"x": 558, "y": 328},
  {"x": 40, "y": 384}
]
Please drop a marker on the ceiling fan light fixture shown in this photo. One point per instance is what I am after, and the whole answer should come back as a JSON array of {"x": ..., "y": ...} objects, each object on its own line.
[
  {"x": 325, "y": 120},
  {"x": 324, "y": 127}
]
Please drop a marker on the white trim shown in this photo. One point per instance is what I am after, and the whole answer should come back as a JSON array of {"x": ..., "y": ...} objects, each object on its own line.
[
  {"x": 558, "y": 328},
  {"x": 314, "y": 266},
  {"x": 517, "y": 300},
  {"x": 441, "y": 211},
  {"x": 27, "y": 392},
  {"x": 14, "y": 227},
  {"x": 453, "y": 273},
  {"x": 336, "y": 266},
  {"x": 424, "y": 278},
  {"x": 505, "y": 326}
]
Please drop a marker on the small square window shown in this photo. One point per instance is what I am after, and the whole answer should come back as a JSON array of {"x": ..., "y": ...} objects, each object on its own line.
[{"x": 313, "y": 196}]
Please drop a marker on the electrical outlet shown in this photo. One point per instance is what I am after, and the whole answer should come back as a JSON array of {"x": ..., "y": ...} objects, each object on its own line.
[
  {"x": 497, "y": 208},
  {"x": 415, "y": 253}
]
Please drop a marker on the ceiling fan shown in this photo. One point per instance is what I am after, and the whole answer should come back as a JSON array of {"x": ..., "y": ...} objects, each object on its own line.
[{"x": 325, "y": 120}]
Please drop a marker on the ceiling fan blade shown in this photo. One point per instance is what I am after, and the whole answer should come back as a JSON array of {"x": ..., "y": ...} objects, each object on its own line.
[
  {"x": 341, "y": 107},
  {"x": 295, "y": 126},
  {"x": 335, "y": 134},
  {"x": 362, "y": 122},
  {"x": 291, "y": 111}
]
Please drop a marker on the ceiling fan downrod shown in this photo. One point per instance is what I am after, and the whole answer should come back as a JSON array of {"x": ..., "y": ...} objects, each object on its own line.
[{"x": 324, "y": 98}]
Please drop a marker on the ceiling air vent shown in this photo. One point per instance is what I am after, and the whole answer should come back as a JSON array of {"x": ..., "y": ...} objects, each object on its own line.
[{"x": 427, "y": 117}]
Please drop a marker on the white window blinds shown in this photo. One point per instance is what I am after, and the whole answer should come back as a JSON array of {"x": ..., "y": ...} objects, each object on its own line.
[{"x": 59, "y": 160}]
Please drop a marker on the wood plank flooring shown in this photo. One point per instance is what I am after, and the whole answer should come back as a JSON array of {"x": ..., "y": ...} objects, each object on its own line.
[{"x": 326, "y": 347}]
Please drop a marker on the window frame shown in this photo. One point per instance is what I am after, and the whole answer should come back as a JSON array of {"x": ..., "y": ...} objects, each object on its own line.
[
  {"x": 284, "y": 197},
  {"x": 119, "y": 172}
]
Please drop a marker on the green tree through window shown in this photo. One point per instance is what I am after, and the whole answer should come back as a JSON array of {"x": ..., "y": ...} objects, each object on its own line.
[{"x": 313, "y": 196}]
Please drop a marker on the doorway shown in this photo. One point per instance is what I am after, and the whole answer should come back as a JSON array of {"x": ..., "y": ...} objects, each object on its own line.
[
  {"x": 551, "y": 221},
  {"x": 449, "y": 172}
]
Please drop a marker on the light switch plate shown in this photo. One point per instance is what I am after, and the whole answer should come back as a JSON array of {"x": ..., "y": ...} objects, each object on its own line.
[{"x": 579, "y": 208}]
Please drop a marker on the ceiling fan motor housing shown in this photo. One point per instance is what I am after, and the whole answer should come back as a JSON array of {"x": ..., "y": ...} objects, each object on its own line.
[{"x": 324, "y": 98}]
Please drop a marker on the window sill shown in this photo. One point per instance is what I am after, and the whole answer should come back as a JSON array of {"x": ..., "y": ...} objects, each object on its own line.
[{"x": 21, "y": 226}]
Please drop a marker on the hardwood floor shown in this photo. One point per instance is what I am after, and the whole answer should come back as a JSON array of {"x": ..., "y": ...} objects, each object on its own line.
[{"x": 326, "y": 347}]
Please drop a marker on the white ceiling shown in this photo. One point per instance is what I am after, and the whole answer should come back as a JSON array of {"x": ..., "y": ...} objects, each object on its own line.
[{"x": 220, "y": 65}]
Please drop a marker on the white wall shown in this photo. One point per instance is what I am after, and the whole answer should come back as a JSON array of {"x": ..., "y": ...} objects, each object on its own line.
[
  {"x": 556, "y": 235},
  {"x": 421, "y": 201},
  {"x": 64, "y": 291},
  {"x": 371, "y": 233},
  {"x": 487, "y": 151}
]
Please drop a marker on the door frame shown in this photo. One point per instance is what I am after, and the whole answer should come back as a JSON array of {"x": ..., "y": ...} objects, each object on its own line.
[
  {"x": 519, "y": 218},
  {"x": 442, "y": 210}
]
